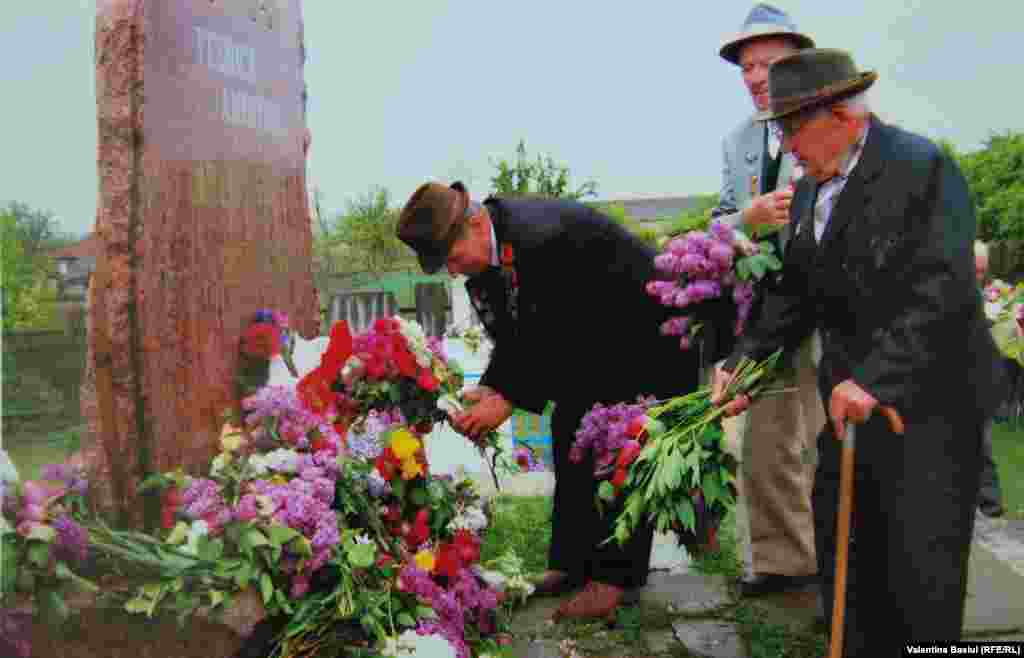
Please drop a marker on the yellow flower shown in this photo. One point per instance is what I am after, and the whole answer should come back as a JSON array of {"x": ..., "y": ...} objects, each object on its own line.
[
  {"x": 425, "y": 560},
  {"x": 279, "y": 479},
  {"x": 230, "y": 438},
  {"x": 411, "y": 468},
  {"x": 404, "y": 444}
]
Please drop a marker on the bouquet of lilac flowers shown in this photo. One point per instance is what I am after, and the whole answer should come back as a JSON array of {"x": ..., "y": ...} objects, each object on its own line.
[{"x": 704, "y": 266}]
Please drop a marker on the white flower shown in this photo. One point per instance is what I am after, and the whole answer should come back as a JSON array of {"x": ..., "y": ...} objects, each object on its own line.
[
  {"x": 449, "y": 404},
  {"x": 993, "y": 310},
  {"x": 282, "y": 460},
  {"x": 257, "y": 465},
  {"x": 363, "y": 538},
  {"x": 470, "y": 518},
  {"x": 219, "y": 463},
  {"x": 197, "y": 530},
  {"x": 8, "y": 472}
]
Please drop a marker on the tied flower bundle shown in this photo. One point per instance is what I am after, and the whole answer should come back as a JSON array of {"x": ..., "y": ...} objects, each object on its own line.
[
  {"x": 1004, "y": 308},
  {"x": 702, "y": 266},
  {"x": 664, "y": 462}
]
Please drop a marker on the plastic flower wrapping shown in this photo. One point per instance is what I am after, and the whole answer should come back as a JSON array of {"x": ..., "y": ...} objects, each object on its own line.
[
  {"x": 1004, "y": 308},
  {"x": 319, "y": 504},
  {"x": 701, "y": 267}
]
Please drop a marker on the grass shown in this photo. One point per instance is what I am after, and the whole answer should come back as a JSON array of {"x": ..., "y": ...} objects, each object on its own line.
[
  {"x": 1008, "y": 452},
  {"x": 523, "y": 524},
  {"x": 29, "y": 456}
]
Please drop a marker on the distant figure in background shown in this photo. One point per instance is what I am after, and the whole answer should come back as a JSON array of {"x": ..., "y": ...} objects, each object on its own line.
[
  {"x": 990, "y": 497},
  {"x": 778, "y": 434}
]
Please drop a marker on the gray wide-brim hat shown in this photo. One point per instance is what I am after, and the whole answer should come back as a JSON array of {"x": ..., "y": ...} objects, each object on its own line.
[
  {"x": 812, "y": 78},
  {"x": 763, "y": 20}
]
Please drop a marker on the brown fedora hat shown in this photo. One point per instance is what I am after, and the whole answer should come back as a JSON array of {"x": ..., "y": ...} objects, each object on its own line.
[
  {"x": 811, "y": 78},
  {"x": 763, "y": 21},
  {"x": 430, "y": 220}
]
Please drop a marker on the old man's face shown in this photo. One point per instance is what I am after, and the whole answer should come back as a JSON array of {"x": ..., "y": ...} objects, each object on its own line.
[{"x": 755, "y": 59}]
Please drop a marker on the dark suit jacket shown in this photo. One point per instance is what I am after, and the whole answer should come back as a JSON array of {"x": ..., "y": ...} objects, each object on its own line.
[
  {"x": 586, "y": 329},
  {"x": 891, "y": 285}
]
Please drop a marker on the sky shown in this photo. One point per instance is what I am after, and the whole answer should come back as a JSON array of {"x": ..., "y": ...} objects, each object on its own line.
[{"x": 630, "y": 95}]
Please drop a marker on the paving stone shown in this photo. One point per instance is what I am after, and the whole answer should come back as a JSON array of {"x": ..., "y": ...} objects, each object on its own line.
[
  {"x": 710, "y": 639},
  {"x": 995, "y": 594},
  {"x": 659, "y": 642},
  {"x": 686, "y": 593},
  {"x": 668, "y": 555},
  {"x": 527, "y": 648},
  {"x": 535, "y": 617}
]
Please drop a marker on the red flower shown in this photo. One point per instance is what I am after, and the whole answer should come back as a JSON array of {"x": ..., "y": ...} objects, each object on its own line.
[
  {"x": 448, "y": 561},
  {"x": 620, "y": 477},
  {"x": 403, "y": 357},
  {"x": 388, "y": 465},
  {"x": 628, "y": 454},
  {"x": 427, "y": 381},
  {"x": 507, "y": 254},
  {"x": 167, "y": 518},
  {"x": 523, "y": 459},
  {"x": 315, "y": 391},
  {"x": 419, "y": 533},
  {"x": 636, "y": 426},
  {"x": 261, "y": 341},
  {"x": 468, "y": 546},
  {"x": 338, "y": 350}
]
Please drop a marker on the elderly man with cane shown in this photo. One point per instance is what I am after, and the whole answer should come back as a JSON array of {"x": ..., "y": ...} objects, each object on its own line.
[{"x": 880, "y": 263}]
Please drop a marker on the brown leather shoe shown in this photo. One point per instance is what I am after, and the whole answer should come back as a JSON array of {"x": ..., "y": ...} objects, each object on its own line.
[
  {"x": 552, "y": 583},
  {"x": 596, "y": 600}
]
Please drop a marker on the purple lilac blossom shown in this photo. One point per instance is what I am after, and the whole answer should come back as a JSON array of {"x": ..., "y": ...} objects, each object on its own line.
[{"x": 72, "y": 540}]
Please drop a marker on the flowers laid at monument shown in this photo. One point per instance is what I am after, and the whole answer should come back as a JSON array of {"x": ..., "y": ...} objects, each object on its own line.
[
  {"x": 319, "y": 512},
  {"x": 1004, "y": 307},
  {"x": 664, "y": 462},
  {"x": 703, "y": 266}
]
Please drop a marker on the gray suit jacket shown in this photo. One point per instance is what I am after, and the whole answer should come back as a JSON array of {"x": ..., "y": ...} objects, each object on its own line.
[{"x": 743, "y": 161}]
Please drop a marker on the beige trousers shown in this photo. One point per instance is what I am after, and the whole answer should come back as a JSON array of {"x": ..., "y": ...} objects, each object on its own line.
[{"x": 776, "y": 440}]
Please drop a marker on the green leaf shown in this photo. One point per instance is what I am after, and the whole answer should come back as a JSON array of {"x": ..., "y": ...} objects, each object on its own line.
[
  {"x": 154, "y": 481},
  {"x": 210, "y": 550},
  {"x": 266, "y": 587},
  {"x": 398, "y": 488},
  {"x": 606, "y": 491},
  {"x": 216, "y": 598},
  {"x": 766, "y": 247},
  {"x": 254, "y": 537},
  {"x": 179, "y": 534},
  {"x": 405, "y": 619},
  {"x": 743, "y": 269},
  {"x": 281, "y": 535},
  {"x": 42, "y": 533},
  {"x": 712, "y": 489},
  {"x": 425, "y": 612},
  {"x": 39, "y": 554},
  {"x": 418, "y": 497},
  {"x": 302, "y": 546},
  {"x": 685, "y": 514},
  {"x": 243, "y": 575},
  {"x": 361, "y": 556}
]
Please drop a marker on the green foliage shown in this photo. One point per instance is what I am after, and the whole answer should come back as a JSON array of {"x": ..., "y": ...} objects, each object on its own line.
[
  {"x": 521, "y": 524},
  {"x": 697, "y": 218},
  {"x": 27, "y": 298},
  {"x": 995, "y": 175},
  {"x": 364, "y": 238},
  {"x": 542, "y": 177}
]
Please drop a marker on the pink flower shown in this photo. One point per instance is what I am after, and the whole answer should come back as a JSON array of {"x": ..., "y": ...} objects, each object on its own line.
[{"x": 300, "y": 585}]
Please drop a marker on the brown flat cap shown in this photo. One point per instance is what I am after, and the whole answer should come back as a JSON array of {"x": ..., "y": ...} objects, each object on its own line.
[
  {"x": 430, "y": 222},
  {"x": 812, "y": 78}
]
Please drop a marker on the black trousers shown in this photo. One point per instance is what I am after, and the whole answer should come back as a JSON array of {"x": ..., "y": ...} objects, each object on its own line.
[
  {"x": 990, "y": 493},
  {"x": 577, "y": 530},
  {"x": 914, "y": 505}
]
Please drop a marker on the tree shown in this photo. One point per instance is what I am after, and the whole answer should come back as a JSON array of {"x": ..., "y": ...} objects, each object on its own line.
[
  {"x": 543, "y": 177},
  {"x": 25, "y": 296},
  {"x": 995, "y": 175},
  {"x": 364, "y": 238}
]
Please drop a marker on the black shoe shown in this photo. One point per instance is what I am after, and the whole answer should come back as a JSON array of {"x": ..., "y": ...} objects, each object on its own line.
[
  {"x": 992, "y": 510},
  {"x": 771, "y": 583}
]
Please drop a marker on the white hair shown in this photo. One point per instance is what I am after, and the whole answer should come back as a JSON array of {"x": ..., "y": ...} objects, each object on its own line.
[{"x": 980, "y": 249}]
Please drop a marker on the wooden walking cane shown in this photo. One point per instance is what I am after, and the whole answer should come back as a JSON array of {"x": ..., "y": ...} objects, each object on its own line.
[{"x": 846, "y": 475}]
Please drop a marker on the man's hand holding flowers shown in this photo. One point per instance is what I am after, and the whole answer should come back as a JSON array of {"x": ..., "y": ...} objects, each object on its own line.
[{"x": 489, "y": 410}]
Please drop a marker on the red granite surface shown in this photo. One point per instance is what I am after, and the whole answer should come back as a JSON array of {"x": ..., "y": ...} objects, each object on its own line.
[{"x": 203, "y": 219}]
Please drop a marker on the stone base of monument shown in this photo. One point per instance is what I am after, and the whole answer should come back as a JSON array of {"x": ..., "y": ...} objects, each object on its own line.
[{"x": 98, "y": 630}]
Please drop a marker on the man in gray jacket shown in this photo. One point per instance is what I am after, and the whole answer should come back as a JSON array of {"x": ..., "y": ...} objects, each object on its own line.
[{"x": 778, "y": 432}]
